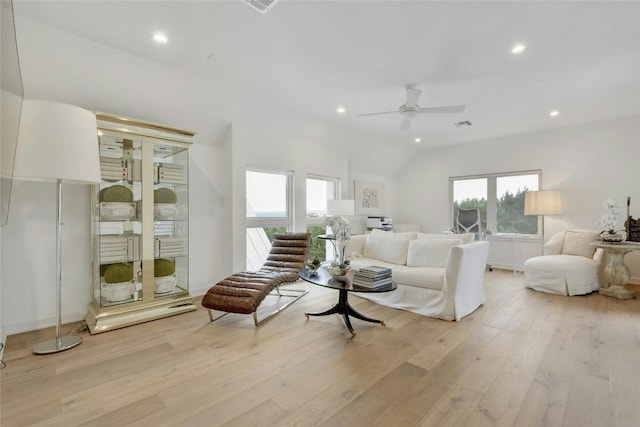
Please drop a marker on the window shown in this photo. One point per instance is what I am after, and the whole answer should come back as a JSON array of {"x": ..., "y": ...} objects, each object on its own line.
[
  {"x": 319, "y": 190},
  {"x": 500, "y": 198},
  {"x": 269, "y": 210}
]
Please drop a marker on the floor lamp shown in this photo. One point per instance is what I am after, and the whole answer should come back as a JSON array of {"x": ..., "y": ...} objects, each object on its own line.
[
  {"x": 542, "y": 202},
  {"x": 57, "y": 143}
]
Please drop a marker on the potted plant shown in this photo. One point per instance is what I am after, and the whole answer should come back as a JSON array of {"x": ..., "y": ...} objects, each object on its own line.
[
  {"x": 117, "y": 284},
  {"x": 165, "y": 203},
  {"x": 608, "y": 224},
  {"x": 164, "y": 272},
  {"x": 116, "y": 203}
]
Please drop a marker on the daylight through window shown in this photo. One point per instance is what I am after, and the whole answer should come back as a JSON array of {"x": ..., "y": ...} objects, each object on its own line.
[{"x": 500, "y": 199}]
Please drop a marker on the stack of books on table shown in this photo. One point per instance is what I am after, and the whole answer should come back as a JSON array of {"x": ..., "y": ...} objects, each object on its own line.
[{"x": 372, "y": 277}]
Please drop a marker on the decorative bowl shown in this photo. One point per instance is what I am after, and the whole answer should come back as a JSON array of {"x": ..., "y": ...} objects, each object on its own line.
[
  {"x": 313, "y": 266},
  {"x": 617, "y": 237},
  {"x": 338, "y": 272},
  {"x": 166, "y": 284},
  {"x": 165, "y": 211},
  {"x": 115, "y": 292},
  {"x": 117, "y": 210}
]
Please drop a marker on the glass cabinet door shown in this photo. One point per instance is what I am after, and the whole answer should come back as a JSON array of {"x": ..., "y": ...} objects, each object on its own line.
[
  {"x": 117, "y": 223},
  {"x": 171, "y": 221}
]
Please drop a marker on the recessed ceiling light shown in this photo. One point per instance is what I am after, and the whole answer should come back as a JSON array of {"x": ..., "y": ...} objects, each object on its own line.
[
  {"x": 554, "y": 113},
  {"x": 341, "y": 110},
  {"x": 417, "y": 140},
  {"x": 519, "y": 48},
  {"x": 160, "y": 38}
]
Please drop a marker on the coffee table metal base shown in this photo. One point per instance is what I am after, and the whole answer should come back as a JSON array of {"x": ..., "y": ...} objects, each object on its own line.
[{"x": 343, "y": 307}]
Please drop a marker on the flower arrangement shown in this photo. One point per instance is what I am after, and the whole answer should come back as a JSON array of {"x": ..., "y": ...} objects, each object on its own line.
[
  {"x": 342, "y": 230},
  {"x": 608, "y": 223}
]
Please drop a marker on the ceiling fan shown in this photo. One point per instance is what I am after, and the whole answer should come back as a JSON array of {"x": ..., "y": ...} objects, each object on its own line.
[{"x": 411, "y": 109}]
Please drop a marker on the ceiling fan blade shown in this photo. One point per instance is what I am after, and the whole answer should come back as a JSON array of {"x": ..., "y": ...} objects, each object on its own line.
[
  {"x": 447, "y": 109},
  {"x": 412, "y": 97},
  {"x": 406, "y": 124},
  {"x": 375, "y": 114}
]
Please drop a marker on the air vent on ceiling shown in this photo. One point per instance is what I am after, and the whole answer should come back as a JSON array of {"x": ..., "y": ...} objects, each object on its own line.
[
  {"x": 262, "y": 6},
  {"x": 462, "y": 124}
]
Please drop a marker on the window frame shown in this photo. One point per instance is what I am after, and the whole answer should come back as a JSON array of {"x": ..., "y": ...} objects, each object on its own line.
[
  {"x": 285, "y": 221},
  {"x": 319, "y": 220},
  {"x": 492, "y": 201}
]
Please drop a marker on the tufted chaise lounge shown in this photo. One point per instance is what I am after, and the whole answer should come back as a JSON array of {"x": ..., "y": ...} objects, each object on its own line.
[{"x": 244, "y": 292}]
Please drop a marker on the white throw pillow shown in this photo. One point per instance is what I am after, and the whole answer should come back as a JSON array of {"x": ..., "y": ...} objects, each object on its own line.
[
  {"x": 386, "y": 248},
  {"x": 577, "y": 243},
  {"x": 464, "y": 237},
  {"x": 430, "y": 252}
]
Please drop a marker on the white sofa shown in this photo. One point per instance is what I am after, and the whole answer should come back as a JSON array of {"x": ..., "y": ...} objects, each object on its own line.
[
  {"x": 569, "y": 264},
  {"x": 438, "y": 275}
]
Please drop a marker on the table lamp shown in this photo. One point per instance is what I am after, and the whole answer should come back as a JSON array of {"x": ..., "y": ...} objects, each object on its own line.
[
  {"x": 340, "y": 207},
  {"x": 57, "y": 143},
  {"x": 542, "y": 202}
]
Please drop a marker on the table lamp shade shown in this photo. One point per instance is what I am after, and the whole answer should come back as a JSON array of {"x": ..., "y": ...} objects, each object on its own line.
[
  {"x": 543, "y": 202},
  {"x": 57, "y": 142},
  {"x": 340, "y": 207}
]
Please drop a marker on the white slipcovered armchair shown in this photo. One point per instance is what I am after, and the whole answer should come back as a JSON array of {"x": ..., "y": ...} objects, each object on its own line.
[{"x": 570, "y": 264}]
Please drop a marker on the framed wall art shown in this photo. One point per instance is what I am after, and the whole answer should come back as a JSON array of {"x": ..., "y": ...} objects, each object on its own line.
[{"x": 369, "y": 197}]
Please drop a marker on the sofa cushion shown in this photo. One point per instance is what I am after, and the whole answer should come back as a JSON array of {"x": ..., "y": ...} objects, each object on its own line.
[
  {"x": 430, "y": 252},
  {"x": 407, "y": 235},
  {"x": 419, "y": 277},
  {"x": 577, "y": 243},
  {"x": 464, "y": 237},
  {"x": 386, "y": 248}
]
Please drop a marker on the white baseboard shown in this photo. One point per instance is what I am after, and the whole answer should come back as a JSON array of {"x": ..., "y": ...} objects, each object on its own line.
[{"x": 45, "y": 322}]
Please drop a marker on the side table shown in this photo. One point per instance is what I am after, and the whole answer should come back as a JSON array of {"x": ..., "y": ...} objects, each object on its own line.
[{"x": 616, "y": 271}]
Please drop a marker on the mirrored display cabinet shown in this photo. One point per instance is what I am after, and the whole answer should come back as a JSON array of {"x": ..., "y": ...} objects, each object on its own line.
[{"x": 140, "y": 224}]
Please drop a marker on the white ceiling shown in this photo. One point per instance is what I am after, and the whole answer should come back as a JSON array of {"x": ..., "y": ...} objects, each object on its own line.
[{"x": 582, "y": 58}]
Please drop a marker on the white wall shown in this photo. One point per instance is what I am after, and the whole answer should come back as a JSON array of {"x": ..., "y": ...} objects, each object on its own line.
[
  {"x": 588, "y": 164},
  {"x": 280, "y": 140}
]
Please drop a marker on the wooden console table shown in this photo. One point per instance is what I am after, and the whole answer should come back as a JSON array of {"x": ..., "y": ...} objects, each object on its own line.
[{"x": 616, "y": 272}]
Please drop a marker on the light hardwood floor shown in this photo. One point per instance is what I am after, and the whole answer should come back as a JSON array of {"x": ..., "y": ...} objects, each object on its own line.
[{"x": 523, "y": 359}]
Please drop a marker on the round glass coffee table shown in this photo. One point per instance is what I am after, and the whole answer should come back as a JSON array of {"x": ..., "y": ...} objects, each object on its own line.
[{"x": 344, "y": 286}]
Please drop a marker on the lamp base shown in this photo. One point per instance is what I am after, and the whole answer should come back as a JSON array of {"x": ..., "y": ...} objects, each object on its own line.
[{"x": 57, "y": 344}]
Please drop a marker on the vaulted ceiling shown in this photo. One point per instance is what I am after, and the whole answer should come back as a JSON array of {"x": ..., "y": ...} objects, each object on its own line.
[{"x": 581, "y": 58}]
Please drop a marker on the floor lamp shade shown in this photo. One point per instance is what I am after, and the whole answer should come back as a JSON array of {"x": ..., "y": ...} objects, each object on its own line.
[
  {"x": 340, "y": 207},
  {"x": 59, "y": 143},
  {"x": 543, "y": 202}
]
